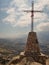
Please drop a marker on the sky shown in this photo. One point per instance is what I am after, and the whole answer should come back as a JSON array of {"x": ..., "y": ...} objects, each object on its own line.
[{"x": 14, "y": 23}]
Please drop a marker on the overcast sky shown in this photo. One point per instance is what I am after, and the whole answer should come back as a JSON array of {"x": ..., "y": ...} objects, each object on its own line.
[{"x": 14, "y": 23}]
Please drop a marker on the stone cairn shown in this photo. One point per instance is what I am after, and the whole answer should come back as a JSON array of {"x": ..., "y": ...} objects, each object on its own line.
[{"x": 32, "y": 49}]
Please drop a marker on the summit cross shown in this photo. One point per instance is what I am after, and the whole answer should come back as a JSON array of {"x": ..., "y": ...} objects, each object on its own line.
[{"x": 32, "y": 14}]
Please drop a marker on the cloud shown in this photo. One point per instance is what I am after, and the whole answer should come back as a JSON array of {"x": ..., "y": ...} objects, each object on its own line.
[
  {"x": 40, "y": 17},
  {"x": 41, "y": 4},
  {"x": 13, "y": 35},
  {"x": 18, "y": 3},
  {"x": 43, "y": 27},
  {"x": 11, "y": 18},
  {"x": 24, "y": 20}
]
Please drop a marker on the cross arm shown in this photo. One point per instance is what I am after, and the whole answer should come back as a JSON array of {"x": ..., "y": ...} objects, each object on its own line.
[
  {"x": 31, "y": 11},
  {"x": 27, "y": 10},
  {"x": 38, "y": 11}
]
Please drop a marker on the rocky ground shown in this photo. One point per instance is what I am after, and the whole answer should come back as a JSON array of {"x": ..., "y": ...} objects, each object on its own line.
[{"x": 21, "y": 60}]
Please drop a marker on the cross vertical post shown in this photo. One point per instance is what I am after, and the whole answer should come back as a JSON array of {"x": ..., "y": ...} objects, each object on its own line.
[{"x": 32, "y": 15}]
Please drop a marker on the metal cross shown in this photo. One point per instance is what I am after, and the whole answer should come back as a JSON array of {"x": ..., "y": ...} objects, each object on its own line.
[{"x": 32, "y": 15}]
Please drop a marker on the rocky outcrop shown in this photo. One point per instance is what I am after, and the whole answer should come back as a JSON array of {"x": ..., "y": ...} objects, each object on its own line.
[{"x": 23, "y": 60}]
